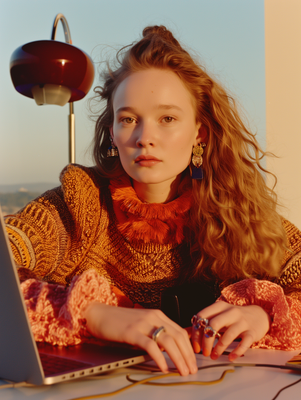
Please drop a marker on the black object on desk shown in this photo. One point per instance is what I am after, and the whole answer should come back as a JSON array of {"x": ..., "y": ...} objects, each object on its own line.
[{"x": 180, "y": 303}]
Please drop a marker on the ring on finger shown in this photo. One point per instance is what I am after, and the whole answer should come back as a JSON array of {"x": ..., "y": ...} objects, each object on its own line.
[
  {"x": 199, "y": 322},
  {"x": 211, "y": 333},
  {"x": 157, "y": 333}
]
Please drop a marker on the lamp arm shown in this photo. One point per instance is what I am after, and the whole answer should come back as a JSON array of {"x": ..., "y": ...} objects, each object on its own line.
[
  {"x": 71, "y": 126},
  {"x": 71, "y": 118},
  {"x": 61, "y": 17}
]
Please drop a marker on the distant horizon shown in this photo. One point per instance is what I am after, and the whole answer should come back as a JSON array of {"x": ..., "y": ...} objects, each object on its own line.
[{"x": 35, "y": 187}]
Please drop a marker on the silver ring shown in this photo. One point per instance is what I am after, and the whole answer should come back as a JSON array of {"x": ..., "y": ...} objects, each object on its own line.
[
  {"x": 199, "y": 322},
  {"x": 211, "y": 333},
  {"x": 157, "y": 333}
]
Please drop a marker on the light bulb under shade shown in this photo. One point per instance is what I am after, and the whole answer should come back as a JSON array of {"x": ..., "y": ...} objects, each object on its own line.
[
  {"x": 51, "y": 94},
  {"x": 54, "y": 63}
]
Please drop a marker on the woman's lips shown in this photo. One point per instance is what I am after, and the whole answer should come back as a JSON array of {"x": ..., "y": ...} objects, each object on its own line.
[{"x": 147, "y": 161}]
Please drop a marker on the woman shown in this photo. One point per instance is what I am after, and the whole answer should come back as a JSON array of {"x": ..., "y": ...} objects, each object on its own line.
[{"x": 176, "y": 195}]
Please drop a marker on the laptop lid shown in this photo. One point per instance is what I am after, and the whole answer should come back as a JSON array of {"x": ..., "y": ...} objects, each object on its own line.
[{"x": 18, "y": 351}]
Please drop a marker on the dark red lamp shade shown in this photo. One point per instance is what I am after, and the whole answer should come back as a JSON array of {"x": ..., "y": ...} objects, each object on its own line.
[{"x": 49, "y": 66}]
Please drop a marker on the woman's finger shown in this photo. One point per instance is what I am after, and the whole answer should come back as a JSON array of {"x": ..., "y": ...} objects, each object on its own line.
[
  {"x": 214, "y": 309},
  {"x": 198, "y": 325},
  {"x": 245, "y": 343},
  {"x": 224, "y": 317},
  {"x": 208, "y": 332},
  {"x": 181, "y": 348},
  {"x": 172, "y": 349},
  {"x": 208, "y": 339},
  {"x": 136, "y": 327},
  {"x": 196, "y": 338},
  {"x": 146, "y": 342},
  {"x": 233, "y": 327},
  {"x": 250, "y": 323},
  {"x": 173, "y": 339},
  {"x": 153, "y": 350},
  {"x": 177, "y": 345},
  {"x": 183, "y": 343}
]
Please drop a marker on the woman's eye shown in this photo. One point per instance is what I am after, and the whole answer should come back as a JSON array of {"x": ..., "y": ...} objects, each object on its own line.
[
  {"x": 128, "y": 120},
  {"x": 168, "y": 119}
]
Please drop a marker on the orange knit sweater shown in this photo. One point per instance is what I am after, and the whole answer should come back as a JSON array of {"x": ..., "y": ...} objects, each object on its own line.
[
  {"x": 139, "y": 248},
  {"x": 90, "y": 229}
]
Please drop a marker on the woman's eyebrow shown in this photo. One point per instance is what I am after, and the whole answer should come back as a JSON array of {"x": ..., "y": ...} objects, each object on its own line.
[
  {"x": 160, "y": 106},
  {"x": 130, "y": 109},
  {"x": 169, "y": 107}
]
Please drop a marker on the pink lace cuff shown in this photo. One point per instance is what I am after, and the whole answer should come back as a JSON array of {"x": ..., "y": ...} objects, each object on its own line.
[
  {"x": 285, "y": 311},
  {"x": 55, "y": 311}
]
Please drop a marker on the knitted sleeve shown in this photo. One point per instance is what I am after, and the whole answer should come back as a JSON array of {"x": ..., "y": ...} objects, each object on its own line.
[
  {"x": 55, "y": 231},
  {"x": 284, "y": 311},
  {"x": 281, "y": 299},
  {"x": 290, "y": 278},
  {"x": 55, "y": 311},
  {"x": 39, "y": 233}
]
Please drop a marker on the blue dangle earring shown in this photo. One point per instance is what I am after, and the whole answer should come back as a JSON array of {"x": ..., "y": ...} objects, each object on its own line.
[
  {"x": 112, "y": 150},
  {"x": 197, "y": 161}
]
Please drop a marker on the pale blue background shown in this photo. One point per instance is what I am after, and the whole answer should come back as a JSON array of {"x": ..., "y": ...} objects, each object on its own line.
[{"x": 227, "y": 35}]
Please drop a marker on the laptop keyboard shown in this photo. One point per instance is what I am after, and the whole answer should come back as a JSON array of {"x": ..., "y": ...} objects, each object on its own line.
[{"x": 53, "y": 365}]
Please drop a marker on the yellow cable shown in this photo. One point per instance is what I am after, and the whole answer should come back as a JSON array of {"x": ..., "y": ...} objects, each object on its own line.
[
  {"x": 148, "y": 381},
  {"x": 183, "y": 383}
]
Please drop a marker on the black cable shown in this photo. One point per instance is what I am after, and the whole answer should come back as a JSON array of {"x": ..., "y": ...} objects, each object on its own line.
[
  {"x": 288, "y": 367},
  {"x": 286, "y": 387}
]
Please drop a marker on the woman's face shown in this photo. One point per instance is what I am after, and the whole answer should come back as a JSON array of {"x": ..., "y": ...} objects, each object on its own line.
[{"x": 154, "y": 126}]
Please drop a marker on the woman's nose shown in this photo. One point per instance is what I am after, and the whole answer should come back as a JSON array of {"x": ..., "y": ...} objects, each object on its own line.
[
  {"x": 145, "y": 136},
  {"x": 143, "y": 143}
]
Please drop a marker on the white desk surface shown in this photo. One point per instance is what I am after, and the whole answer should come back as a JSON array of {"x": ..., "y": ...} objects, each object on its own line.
[{"x": 246, "y": 383}]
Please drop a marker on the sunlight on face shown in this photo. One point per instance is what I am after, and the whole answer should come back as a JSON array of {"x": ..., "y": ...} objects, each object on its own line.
[{"x": 154, "y": 126}]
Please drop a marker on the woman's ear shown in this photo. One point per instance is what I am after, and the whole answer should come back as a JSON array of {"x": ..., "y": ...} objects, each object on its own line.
[
  {"x": 203, "y": 134},
  {"x": 112, "y": 134}
]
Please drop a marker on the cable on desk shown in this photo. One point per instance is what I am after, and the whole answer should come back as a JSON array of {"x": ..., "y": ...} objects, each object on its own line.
[
  {"x": 285, "y": 387},
  {"x": 153, "y": 378},
  {"x": 183, "y": 383},
  {"x": 237, "y": 365},
  {"x": 150, "y": 379}
]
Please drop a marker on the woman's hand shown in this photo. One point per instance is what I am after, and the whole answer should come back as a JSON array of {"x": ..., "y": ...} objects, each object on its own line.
[
  {"x": 136, "y": 326},
  {"x": 250, "y": 323}
]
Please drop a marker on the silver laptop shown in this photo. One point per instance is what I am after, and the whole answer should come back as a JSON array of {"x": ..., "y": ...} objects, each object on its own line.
[{"x": 22, "y": 359}]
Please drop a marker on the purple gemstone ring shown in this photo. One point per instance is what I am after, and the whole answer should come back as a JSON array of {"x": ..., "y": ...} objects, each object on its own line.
[
  {"x": 211, "y": 333},
  {"x": 199, "y": 322}
]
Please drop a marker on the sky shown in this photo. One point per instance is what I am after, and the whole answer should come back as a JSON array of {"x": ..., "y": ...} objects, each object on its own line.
[{"x": 227, "y": 36}]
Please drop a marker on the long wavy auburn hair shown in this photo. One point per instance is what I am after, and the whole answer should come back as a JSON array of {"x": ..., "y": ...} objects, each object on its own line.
[{"x": 236, "y": 232}]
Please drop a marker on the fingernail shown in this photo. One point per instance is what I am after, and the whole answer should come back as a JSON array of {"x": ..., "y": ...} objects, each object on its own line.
[
  {"x": 196, "y": 347},
  {"x": 232, "y": 357},
  {"x": 206, "y": 353},
  {"x": 214, "y": 355},
  {"x": 194, "y": 369},
  {"x": 165, "y": 370}
]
